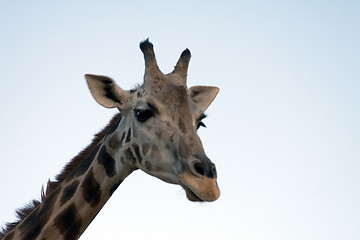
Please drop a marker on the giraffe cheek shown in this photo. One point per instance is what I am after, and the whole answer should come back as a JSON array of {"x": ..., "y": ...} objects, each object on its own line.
[
  {"x": 183, "y": 150},
  {"x": 145, "y": 148},
  {"x": 155, "y": 153}
]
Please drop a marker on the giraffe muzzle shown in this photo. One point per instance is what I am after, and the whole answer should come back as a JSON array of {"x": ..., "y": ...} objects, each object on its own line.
[{"x": 199, "y": 181}]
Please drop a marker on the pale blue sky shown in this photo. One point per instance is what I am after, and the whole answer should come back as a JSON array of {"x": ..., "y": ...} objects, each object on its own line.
[{"x": 284, "y": 131}]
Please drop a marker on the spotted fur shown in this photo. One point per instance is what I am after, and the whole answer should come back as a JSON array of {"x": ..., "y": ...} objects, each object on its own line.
[
  {"x": 78, "y": 165},
  {"x": 91, "y": 189},
  {"x": 107, "y": 162},
  {"x": 68, "y": 222}
]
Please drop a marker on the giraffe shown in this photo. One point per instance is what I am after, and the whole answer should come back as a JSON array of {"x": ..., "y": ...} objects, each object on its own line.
[{"x": 155, "y": 131}]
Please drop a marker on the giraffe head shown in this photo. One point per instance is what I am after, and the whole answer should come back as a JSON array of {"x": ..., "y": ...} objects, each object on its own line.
[{"x": 162, "y": 117}]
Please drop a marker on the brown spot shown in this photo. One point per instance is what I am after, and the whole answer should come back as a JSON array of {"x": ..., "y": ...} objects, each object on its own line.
[
  {"x": 175, "y": 154},
  {"x": 171, "y": 138},
  {"x": 84, "y": 165},
  {"x": 148, "y": 165},
  {"x": 69, "y": 192},
  {"x": 91, "y": 189},
  {"x": 129, "y": 155},
  {"x": 128, "y": 137},
  {"x": 145, "y": 148},
  {"x": 69, "y": 222},
  {"x": 107, "y": 162},
  {"x": 155, "y": 153},
  {"x": 158, "y": 134},
  {"x": 122, "y": 137}
]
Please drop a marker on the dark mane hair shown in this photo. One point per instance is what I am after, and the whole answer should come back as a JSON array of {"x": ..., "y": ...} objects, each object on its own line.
[{"x": 22, "y": 213}]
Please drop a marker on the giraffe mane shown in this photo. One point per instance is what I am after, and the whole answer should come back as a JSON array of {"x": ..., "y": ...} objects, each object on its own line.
[{"x": 22, "y": 213}]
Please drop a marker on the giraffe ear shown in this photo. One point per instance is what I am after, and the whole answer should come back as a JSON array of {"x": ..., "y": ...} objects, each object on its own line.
[
  {"x": 106, "y": 92},
  {"x": 203, "y": 96}
]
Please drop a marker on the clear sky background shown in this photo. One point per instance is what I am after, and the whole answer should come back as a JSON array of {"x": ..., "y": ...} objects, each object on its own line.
[{"x": 284, "y": 130}]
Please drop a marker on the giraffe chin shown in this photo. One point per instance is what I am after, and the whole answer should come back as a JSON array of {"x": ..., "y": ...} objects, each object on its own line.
[
  {"x": 191, "y": 196},
  {"x": 199, "y": 189}
]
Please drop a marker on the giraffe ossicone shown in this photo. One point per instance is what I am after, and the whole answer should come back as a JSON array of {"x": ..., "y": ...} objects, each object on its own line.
[{"x": 155, "y": 131}]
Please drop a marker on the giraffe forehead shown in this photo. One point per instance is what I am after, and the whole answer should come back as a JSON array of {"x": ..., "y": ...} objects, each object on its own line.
[{"x": 168, "y": 97}]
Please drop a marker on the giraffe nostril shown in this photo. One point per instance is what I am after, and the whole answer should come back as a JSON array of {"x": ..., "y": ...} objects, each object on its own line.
[{"x": 199, "y": 169}]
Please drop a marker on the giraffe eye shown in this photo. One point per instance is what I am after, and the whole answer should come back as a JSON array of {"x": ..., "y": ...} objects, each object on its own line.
[{"x": 143, "y": 115}]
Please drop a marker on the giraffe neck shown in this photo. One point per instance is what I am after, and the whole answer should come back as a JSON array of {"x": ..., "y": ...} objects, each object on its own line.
[{"x": 66, "y": 212}]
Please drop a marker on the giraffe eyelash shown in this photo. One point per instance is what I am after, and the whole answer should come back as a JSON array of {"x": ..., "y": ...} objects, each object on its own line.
[
  {"x": 202, "y": 116},
  {"x": 201, "y": 123}
]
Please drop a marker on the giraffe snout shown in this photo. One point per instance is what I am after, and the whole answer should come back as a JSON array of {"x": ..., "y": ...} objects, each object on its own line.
[{"x": 199, "y": 182}]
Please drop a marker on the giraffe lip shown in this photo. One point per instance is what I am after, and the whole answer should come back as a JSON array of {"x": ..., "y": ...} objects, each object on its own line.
[
  {"x": 190, "y": 194},
  {"x": 199, "y": 189}
]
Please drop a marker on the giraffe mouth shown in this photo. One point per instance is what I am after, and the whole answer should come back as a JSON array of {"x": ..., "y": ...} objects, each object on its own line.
[
  {"x": 191, "y": 195},
  {"x": 199, "y": 189}
]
